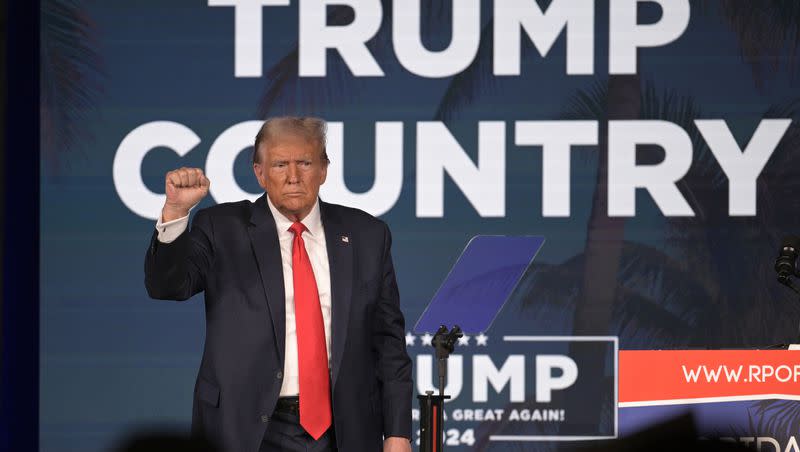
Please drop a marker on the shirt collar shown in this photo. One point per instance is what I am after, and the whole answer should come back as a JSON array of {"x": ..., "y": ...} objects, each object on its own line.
[{"x": 312, "y": 221}]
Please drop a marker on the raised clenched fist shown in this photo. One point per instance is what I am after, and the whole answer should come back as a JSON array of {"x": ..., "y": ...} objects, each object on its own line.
[{"x": 185, "y": 187}]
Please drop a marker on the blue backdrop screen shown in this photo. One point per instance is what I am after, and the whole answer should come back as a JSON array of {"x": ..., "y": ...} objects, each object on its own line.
[{"x": 654, "y": 144}]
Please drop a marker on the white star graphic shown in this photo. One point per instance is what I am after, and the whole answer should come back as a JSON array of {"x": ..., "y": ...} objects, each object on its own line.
[
  {"x": 463, "y": 340},
  {"x": 410, "y": 339},
  {"x": 481, "y": 339},
  {"x": 426, "y": 339}
]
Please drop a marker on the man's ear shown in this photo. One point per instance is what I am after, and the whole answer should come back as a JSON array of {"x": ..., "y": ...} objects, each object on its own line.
[
  {"x": 258, "y": 170},
  {"x": 325, "y": 166}
]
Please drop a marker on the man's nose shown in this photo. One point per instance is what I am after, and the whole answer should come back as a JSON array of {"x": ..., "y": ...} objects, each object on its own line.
[{"x": 293, "y": 173}]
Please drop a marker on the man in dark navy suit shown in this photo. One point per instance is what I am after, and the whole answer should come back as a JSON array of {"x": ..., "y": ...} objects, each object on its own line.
[{"x": 305, "y": 346}]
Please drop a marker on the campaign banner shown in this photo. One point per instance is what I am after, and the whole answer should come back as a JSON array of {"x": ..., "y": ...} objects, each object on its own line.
[
  {"x": 747, "y": 396},
  {"x": 671, "y": 377},
  {"x": 522, "y": 389}
]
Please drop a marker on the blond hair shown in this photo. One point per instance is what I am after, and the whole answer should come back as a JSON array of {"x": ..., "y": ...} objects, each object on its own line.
[{"x": 309, "y": 128}]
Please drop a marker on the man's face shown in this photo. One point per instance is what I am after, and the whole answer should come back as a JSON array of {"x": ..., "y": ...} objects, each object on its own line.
[{"x": 291, "y": 172}]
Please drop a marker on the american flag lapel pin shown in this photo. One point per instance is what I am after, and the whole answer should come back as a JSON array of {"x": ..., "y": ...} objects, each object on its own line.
[{"x": 345, "y": 239}]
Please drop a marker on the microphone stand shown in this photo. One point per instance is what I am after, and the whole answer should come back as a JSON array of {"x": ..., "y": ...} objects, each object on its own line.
[
  {"x": 786, "y": 281},
  {"x": 431, "y": 406},
  {"x": 786, "y": 267}
]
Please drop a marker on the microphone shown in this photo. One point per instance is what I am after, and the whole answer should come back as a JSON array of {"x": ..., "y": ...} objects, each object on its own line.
[
  {"x": 785, "y": 263},
  {"x": 445, "y": 342}
]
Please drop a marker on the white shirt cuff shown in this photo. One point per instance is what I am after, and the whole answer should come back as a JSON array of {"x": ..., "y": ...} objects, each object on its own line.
[{"x": 169, "y": 231}]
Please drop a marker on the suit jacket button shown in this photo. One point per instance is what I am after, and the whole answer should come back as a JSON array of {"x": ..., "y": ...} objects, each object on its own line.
[
  {"x": 264, "y": 418},
  {"x": 279, "y": 375}
]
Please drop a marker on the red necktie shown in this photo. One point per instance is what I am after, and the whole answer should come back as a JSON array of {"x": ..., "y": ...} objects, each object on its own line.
[{"x": 312, "y": 355}]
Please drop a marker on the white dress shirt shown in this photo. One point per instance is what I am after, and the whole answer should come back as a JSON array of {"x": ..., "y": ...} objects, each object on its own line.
[{"x": 314, "y": 239}]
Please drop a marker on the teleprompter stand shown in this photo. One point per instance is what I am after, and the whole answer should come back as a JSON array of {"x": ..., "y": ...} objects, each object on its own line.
[{"x": 431, "y": 415}]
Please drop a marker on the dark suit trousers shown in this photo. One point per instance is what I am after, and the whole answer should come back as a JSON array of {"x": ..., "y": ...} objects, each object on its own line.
[{"x": 285, "y": 434}]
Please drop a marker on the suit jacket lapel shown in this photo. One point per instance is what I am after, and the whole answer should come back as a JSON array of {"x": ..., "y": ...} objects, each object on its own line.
[
  {"x": 340, "y": 261},
  {"x": 266, "y": 248}
]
